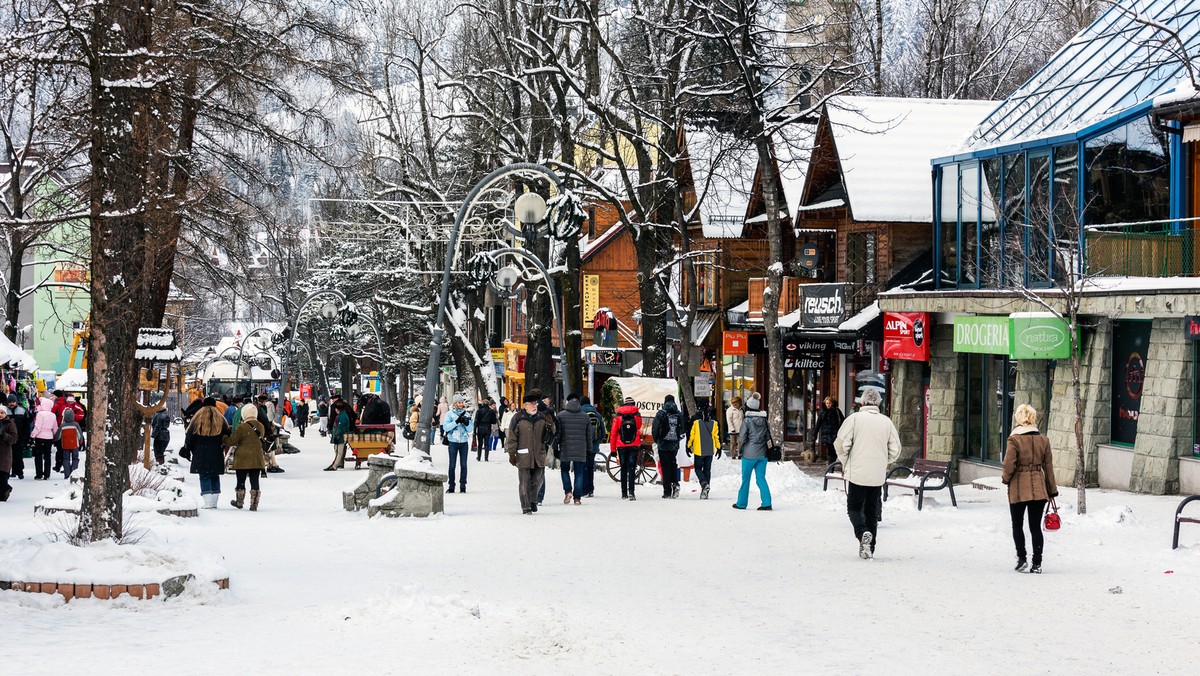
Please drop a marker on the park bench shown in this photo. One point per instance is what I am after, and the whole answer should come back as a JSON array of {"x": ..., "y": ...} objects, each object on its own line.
[
  {"x": 918, "y": 479},
  {"x": 367, "y": 440},
  {"x": 1180, "y": 518}
]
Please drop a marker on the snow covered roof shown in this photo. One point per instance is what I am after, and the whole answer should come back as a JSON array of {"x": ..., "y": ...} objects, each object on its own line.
[
  {"x": 884, "y": 147},
  {"x": 1115, "y": 64},
  {"x": 14, "y": 357},
  {"x": 72, "y": 380}
]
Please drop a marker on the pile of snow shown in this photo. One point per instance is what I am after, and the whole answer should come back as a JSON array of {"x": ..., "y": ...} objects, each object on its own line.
[
  {"x": 159, "y": 488},
  {"x": 105, "y": 562}
]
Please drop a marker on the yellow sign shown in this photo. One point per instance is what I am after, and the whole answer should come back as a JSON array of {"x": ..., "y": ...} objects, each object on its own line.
[{"x": 591, "y": 299}]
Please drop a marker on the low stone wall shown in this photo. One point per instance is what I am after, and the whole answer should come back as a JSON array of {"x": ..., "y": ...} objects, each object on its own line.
[
  {"x": 105, "y": 592},
  {"x": 417, "y": 493},
  {"x": 358, "y": 497}
]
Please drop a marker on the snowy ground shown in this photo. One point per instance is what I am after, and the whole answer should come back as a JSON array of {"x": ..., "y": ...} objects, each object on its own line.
[{"x": 612, "y": 587}]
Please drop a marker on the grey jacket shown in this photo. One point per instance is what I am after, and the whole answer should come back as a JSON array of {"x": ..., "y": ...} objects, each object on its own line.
[
  {"x": 755, "y": 435},
  {"x": 574, "y": 433}
]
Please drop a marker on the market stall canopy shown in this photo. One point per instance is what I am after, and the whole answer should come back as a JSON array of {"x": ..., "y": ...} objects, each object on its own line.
[
  {"x": 14, "y": 357},
  {"x": 157, "y": 345},
  {"x": 72, "y": 380}
]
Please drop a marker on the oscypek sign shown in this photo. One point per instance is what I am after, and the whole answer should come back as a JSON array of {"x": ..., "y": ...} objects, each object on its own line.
[{"x": 906, "y": 335}]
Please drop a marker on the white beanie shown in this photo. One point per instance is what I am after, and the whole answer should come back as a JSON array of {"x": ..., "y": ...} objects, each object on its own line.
[
  {"x": 249, "y": 412},
  {"x": 752, "y": 401}
]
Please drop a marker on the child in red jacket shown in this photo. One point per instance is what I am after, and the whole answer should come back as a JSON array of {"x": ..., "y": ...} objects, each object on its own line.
[{"x": 626, "y": 439}]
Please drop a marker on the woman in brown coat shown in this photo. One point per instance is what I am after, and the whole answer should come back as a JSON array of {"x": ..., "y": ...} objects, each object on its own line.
[
  {"x": 248, "y": 458},
  {"x": 1029, "y": 475}
]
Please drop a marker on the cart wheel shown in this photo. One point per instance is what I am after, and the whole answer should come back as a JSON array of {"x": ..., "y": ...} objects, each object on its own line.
[
  {"x": 613, "y": 466},
  {"x": 649, "y": 470}
]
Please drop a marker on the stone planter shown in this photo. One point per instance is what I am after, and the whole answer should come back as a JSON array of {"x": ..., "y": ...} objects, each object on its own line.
[
  {"x": 417, "y": 493},
  {"x": 363, "y": 492}
]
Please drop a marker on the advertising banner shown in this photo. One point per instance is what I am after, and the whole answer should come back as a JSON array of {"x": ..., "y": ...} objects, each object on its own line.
[
  {"x": 591, "y": 299},
  {"x": 735, "y": 344},
  {"x": 906, "y": 335},
  {"x": 1038, "y": 335},
  {"x": 1131, "y": 342},
  {"x": 823, "y": 305},
  {"x": 981, "y": 334},
  {"x": 1191, "y": 327}
]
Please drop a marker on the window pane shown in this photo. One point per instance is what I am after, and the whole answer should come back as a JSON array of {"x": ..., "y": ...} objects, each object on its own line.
[
  {"x": 1128, "y": 175},
  {"x": 974, "y": 402},
  {"x": 989, "y": 249},
  {"x": 948, "y": 219},
  {"x": 968, "y": 238},
  {"x": 1037, "y": 264},
  {"x": 1013, "y": 254},
  {"x": 1066, "y": 212}
]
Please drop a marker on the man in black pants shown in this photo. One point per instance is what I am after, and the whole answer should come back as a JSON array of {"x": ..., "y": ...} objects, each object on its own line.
[
  {"x": 866, "y": 444},
  {"x": 625, "y": 439},
  {"x": 485, "y": 420},
  {"x": 668, "y": 429},
  {"x": 300, "y": 416}
]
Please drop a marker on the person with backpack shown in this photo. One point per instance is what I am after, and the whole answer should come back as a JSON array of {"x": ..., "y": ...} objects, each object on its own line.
[
  {"x": 704, "y": 441},
  {"x": 599, "y": 436},
  {"x": 625, "y": 439},
  {"x": 667, "y": 430},
  {"x": 160, "y": 434},
  {"x": 755, "y": 437},
  {"x": 574, "y": 446}
]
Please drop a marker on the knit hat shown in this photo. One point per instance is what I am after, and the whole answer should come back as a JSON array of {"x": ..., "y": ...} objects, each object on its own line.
[
  {"x": 629, "y": 401},
  {"x": 531, "y": 399},
  {"x": 458, "y": 399},
  {"x": 249, "y": 412},
  {"x": 752, "y": 402}
]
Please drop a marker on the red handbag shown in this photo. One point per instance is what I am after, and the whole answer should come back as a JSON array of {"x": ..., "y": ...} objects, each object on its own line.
[{"x": 1052, "y": 520}]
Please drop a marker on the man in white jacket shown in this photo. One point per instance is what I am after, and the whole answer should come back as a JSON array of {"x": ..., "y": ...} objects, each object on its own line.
[{"x": 866, "y": 444}]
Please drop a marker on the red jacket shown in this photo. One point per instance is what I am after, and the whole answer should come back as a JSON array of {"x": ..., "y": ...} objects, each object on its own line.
[
  {"x": 614, "y": 438},
  {"x": 60, "y": 405}
]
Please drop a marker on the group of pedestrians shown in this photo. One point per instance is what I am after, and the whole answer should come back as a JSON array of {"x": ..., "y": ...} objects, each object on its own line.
[
  {"x": 51, "y": 430},
  {"x": 240, "y": 436}
]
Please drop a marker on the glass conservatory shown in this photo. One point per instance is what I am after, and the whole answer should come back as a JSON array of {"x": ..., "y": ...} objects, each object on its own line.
[{"x": 1073, "y": 176}]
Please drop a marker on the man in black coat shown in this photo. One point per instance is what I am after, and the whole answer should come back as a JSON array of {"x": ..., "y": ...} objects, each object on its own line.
[
  {"x": 669, "y": 430},
  {"x": 300, "y": 415},
  {"x": 485, "y": 420}
]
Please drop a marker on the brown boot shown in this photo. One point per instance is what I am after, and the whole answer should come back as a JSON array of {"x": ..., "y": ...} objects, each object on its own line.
[
  {"x": 254, "y": 500},
  {"x": 241, "y": 498}
]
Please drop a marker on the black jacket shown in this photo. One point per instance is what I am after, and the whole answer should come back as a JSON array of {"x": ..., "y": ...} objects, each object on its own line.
[
  {"x": 829, "y": 421},
  {"x": 574, "y": 433},
  {"x": 662, "y": 426},
  {"x": 485, "y": 418}
]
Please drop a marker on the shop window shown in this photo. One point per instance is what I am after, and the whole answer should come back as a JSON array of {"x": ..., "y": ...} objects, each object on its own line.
[
  {"x": 1066, "y": 223},
  {"x": 1013, "y": 253},
  {"x": 990, "y": 234},
  {"x": 990, "y": 389},
  {"x": 968, "y": 229},
  {"x": 739, "y": 377},
  {"x": 801, "y": 390},
  {"x": 948, "y": 225},
  {"x": 860, "y": 258},
  {"x": 1038, "y": 244},
  {"x": 865, "y": 376},
  {"x": 706, "y": 282},
  {"x": 1131, "y": 343}
]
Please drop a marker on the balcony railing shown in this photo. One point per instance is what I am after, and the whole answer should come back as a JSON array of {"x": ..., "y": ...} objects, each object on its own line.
[{"x": 1136, "y": 250}]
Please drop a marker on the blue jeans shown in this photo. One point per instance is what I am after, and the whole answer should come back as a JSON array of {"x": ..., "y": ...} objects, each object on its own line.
[
  {"x": 759, "y": 467},
  {"x": 210, "y": 483},
  {"x": 458, "y": 457},
  {"x": 576, "y": 489},
  {"x": 70, "y": 462}
]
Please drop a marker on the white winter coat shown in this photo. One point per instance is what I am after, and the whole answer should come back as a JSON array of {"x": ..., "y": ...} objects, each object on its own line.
[{"x": 866, "y": 444}]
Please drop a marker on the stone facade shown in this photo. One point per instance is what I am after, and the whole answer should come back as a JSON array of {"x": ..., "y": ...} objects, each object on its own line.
[
  {"x": 907, "y": 406},
  {"x": 1095, "y": 381},
  {"x": 947, "y": 405},
  {"x": 1165, "y": 419},
  {"x": 417, "y": 493}
]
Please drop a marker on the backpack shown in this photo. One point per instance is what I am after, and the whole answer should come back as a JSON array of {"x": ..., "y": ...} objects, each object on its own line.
[
  {"x": 672, "y": 429},
  {"x": 597, "y": 426},
  {"x": 70, "y": 438},
  {"x": 628, "y": 431}
]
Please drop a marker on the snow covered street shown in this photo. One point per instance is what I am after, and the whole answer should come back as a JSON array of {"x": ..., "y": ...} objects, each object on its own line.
[{"x": 613, "y": 587}]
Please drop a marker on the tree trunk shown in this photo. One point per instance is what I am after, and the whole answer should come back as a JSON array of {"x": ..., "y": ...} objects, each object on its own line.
[
  {"x": 1077, "y": 392},
  {"x": 539, "y": 361},
  {"x": 775, "y": 375},
  {"x": 12, "y": 301},
  {"x": 348, "y": 384},
  {"x": 653, "y": 304}
]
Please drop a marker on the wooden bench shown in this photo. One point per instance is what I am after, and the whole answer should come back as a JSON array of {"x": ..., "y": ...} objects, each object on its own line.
[
  {"x": 368, "y": 440},
  {"x": 834, "y": 472},
  {"x": 918, "y": 478},
  {"x": 1180, "y": 518}
]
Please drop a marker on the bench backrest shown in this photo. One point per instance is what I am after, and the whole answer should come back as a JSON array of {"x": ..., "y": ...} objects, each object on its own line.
[{"x": 924, "y": 466}]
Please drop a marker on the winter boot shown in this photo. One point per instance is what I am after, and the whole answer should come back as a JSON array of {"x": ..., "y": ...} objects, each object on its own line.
[
  {"x": 704, "y": 493},
  {"x": 1022, "y": 563},
  {"x": 254, "y": 495},
  {"x": 240, "y": 499},
  {"x": 1036, "y": 568},
  {"x": 674, "y": 490},
  {"x": 864, "y": 546},
  {"x": 210, "y": 500}
]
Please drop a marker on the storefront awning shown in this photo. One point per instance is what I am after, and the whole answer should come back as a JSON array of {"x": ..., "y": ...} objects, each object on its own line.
[
  {"x": 702, "y": 325},
  {"x": 851, "y": 329}
]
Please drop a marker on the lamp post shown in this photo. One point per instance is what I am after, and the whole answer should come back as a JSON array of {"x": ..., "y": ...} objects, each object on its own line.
[
  {"x": 242, "y": 351},
  {"x": 528, "y": 205}
]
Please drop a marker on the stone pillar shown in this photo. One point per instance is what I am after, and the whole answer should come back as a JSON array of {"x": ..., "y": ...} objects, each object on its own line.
[
  {"x": 947, "y": 397},
  {"x": 1096, "y": 388},
  {"x": 1031, "y": 386},
  {"x": 1165, "y": 418},
  {"x": 907, "y": 406}
]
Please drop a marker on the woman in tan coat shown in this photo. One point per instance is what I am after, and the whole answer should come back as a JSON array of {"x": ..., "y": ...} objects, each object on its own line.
[
  {"x": 1029, "y": 475},
  {"x": 248, "y": 458}
]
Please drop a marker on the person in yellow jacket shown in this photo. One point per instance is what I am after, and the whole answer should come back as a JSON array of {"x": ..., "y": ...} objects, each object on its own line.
[{"x": 704, "y": 441}]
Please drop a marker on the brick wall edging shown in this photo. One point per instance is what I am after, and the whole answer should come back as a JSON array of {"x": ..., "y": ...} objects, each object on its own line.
[{"x": 98, "y": 591}]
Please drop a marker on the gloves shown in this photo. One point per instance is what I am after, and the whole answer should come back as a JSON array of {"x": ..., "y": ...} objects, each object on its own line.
[
  {"x": 718, "y": 453},
  {"x": 463, "y": 419},
  {"x": 512, "y": 460}
]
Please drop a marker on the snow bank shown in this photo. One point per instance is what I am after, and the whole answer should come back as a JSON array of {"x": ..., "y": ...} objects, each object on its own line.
[{"x": 104, "y": 562}]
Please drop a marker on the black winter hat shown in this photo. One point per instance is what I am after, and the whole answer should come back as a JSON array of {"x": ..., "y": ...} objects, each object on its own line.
[
  {"x": 669, "y": 399},
  {"x": 531, "y": 399}
]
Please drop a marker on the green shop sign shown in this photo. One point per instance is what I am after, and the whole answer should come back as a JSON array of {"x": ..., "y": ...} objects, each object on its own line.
[
  {"x": 981, "y": 334},
  {"x": 1041, "y": 336},
  {"x": 1025, "y": 336}
]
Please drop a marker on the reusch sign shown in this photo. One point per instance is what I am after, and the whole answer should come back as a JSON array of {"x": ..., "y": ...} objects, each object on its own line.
[
  {"x": 823, "y": 305},
  {"x": 906, "y": 335}
]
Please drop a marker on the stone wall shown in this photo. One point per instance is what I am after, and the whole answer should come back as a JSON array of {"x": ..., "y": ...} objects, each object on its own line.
[
  {"x": 1096, "y": 387},
  {"x": 946, "y": 393},
  {"x": 1164, "y": 429},
  {"x": 907, "y": 406}
]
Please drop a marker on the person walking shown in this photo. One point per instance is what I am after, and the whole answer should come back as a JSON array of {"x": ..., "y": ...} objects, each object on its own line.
[
  {"x": 598, "y": 437},
  {"x": 866, "y": 444},
  {"x": 22, "y": 418},
  {"x": 160, "y": 434},
  {"x": 829, "y": 421},
  {"x": 323, "y": 417},
  {"x": 205, "y": 440},
  {"x": 574, "y": 447},
  {"x": 527, "y": 450},
  {"x": 456, "y": 427},
  {"x": 625, "y": 439},
  {"x": 733, "y": 423},
  {"x": 704, "y": 442},
  {"x": 302, "y": 413},
  {"x": 337, "y": 434},
  {"x": 485, "y": 422},
  {"x": 1029, "y": 474},
  {"x": 248, "y": 458},
  {"x": 667, "y": 430},
  {"x": 69, "y": 438},
  {"x": 266, "y": 416},
  {"x": 8, "y": 440},
  {"x": 755, "y": 436},
  {"x": 414, "y": 417},
  {"x": 442, "y": 408},
  {"x": 45, "y": 425}
]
